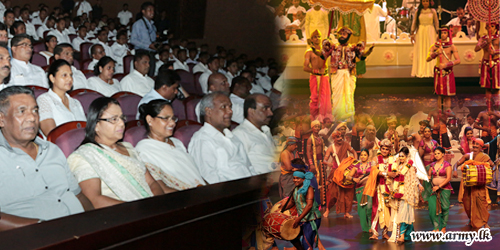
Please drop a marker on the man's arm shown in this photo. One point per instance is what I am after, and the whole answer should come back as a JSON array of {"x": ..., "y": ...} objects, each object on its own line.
[
  {"x": 307, "y": 62},
  {"x": 8, "y": 221},
  {"x": 286, "y": 161},
  {"x": 307, "y": 209},
  {"x": 140, "y": 36},
  {"x": 310, "y": 156}
]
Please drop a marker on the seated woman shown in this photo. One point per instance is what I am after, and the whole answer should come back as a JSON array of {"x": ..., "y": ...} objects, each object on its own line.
[
  {"x": 56, "y": 107},
  {"x": 110, "y": 172},
  {"x": 175, "y": 166},
  {"x": 104, "y": 82},
  {"x": 50, "y": 44}
]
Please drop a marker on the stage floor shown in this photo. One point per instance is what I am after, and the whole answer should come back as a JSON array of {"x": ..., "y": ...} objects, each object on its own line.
[{"x": 339, "y": 233}]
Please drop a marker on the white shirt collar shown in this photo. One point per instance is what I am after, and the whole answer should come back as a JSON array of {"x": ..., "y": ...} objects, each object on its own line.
[{"x": 213, "y": 131}]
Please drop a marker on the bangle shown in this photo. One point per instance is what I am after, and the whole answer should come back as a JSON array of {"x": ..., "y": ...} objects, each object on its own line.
[{"x": 40, "y": 221}]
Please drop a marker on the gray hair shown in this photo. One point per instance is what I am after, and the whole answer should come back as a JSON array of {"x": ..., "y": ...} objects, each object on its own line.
[
  {"x": 6, "y": 93},
  {"x": 208, "y": 102}
]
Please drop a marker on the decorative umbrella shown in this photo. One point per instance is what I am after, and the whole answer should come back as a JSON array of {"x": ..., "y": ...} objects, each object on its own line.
[
  {"x": 485, "y": 10},
  {"x": 344, "y": 6}
]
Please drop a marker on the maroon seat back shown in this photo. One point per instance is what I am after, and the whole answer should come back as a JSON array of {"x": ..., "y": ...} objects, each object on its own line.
[
  {"x": 127, "y": 60},
  {"x": 68, "y": 136},
  {"x": 84, "y": 51},
  {"x": 128, "y": 102},
  {"x": 197, "y": 84},
  {"x": 37, "y": 90},
  {"x": 190, "y": 109},
  {"x": 86, "y": 98},
  {"x": 179, "y": 109},
  {"x": 135, "y": 134},
  {"x": 187, "y": 81},
  {"x": 72, "y": 36},
  {"x": 39, "y": 46},
  {"x": 185, "y": 133},
  {"x": 38, "y": 60}
]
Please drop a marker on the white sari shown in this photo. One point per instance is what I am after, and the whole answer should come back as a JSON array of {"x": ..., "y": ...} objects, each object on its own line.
[{"x": 178, "y": 169}]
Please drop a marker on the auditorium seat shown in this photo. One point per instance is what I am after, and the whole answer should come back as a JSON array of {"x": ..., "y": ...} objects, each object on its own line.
[
  {"x": 197, "y": 84},
  {"x": 187, "y": 81},
  {"x": 128, "y": 102},
  {"x": 233, "y": 125},
  {"x": 68, "y": 136},
  {"x": 185, "y": 133},
  {"x": 45, "y": 34},
  {"x": 76, "y": 63},
  {"x": 119, "y": 76},
  {"x": 190, "y": 106},
  {"x": 85, "y": 96},
  {"x": 179, "y": 109},
  {"x": 182, "y": 123},
  {"x": 134, "y": 132},
  {"x": 72, "y": 36},
  {"x": 39, "y": 60},
  {"x": 84, "y": 51},
  {"x": 37, "y": 90},
  {"x": 88, "y": 73},
  {"x": 85, "y": 65},
  {"x": 191, "y": 66},
  {"x": 126, "y": 63},
  {"x": 39, "y": 46}
]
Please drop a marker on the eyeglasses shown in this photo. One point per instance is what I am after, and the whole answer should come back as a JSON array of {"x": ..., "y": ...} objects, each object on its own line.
[
  {"x": 169, "y": 118},
  {"x": 25, "y": 45},
  {"x": 114, "y": 119}
]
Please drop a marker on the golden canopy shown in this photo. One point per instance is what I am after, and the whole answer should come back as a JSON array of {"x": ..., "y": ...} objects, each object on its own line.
[{"x": 344, "y": 6}]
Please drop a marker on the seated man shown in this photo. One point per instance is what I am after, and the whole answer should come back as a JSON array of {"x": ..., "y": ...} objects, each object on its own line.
[
  {"x": 138, "y": 81},
  {"x": 4, "y": 67},
  {"x": 180, "y": 60},
  {"x": 255, "y": 134},
  {"x": 240, "y": 89},
  {"x": 81, "y": 38},
  {"x": 59, "y": 32},
  {"x": 120, "y": 49},
  {"x": 65, "y": 51},
  {"x": 213, "y": 67},
  {"x": 216, "y": 82},
  {"x": 23, "y": 72},
  {"x": 96, "y": 52},
  {"x": 48, "y": 25},
  {"x": 202, "y": 65},
  {"x": 36, "y": 182},
  {"x": 219, "y": 155},
  {"x": 165, "y": 87},
  {"x": 102, "y": 39}
]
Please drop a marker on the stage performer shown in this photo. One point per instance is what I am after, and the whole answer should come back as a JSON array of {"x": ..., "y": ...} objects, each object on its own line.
[
  {"x": 376, "y": 187},
  {"x": 340, "y": 196},
  {"x": 487, "y": 121},
  {"x": 287, "y": 155},
  {"x": 494, "y": 153},
  {"x": 475, "y": 200},
  {"x": 309, "y": 218},
  {"x": 439, "y": 197},
  {"x": 315, "y": 148},
  {"x": 439, "y": 130},
  {"x": 465, "y": 147},
  {"x": 316, "y": 18},
  {"x": 423, "y": 35},
  {"x": 444, "y": 78},
  {"x": 320, "y": 106},
  {"x": 490, "y": 66},
  {"x": 370, "y": 141},
  {"x": 360, "y": 177},
  {"x": 342, "y": 72},
  {"x": 405, "y": 189}
]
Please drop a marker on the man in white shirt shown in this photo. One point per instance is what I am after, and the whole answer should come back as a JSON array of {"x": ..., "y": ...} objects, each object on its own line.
[
  {"x": 219, "y": 155},
  {"x": 8, "y": 20},
  {"x": 81, "y": 38},
  {"x": 256, "y": 88},
  {"x": 65, "y": 51},
  {"x": 192, "y": 56},
  {"x": 281, "y": 22},
  {"x": 294, "y": 9},
  {"x": 403, "y": 121},
  {"x": 461, "y": 111},
  {"x": 59, "y": 32},
  {"x": 240, "y": 89},
  {"x": 102, "y": 39},
  {"x": 202, "y": 65},
  {"x": 96, "y": 52},
  {"x": 41, "y": 18},
  {"x": 255, "y": 134},
  {"x": 372, "y": 22},
  {"x": 213, "y": 67},
  {"x": 180, "y": 60},
  {"x": 83, "y": 7},
  {"x": 119, "y": 50},
  {"x": 458, "y": 21},
  {"x": 30, "y": 28},
  {"x": 217, "y": 82},
  {"x": 48, "y": 25},
  {"x": 125, "y": 16},
  {"x": 166, "y": 87},
  {"x": 138, "y": 81},
  {"x": 23, "y": 72},
  {"x": 232, "y": 70},
  {"x": 415, "y": 121}
]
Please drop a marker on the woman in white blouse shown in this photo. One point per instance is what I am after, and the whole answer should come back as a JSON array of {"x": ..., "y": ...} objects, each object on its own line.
[
  {"x": 104, "y": 82},
  {"x": 176, "y": 167},
  {"x": 56, "y": 107},
  {"x": 50, "y": 44}
]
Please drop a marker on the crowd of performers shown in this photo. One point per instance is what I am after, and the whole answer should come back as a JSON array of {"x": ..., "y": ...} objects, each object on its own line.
[{"x": 389, "y": 182}]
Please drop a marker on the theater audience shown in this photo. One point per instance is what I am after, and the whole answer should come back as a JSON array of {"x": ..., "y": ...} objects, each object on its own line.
[
  {"x": 255, "y": 134},
  {"x": 81, "y": 38},
  {"x": 65, "y": 51},
  {"x": 48, "y": 25},
  {"x": 180, "y": 60},
  {"x": 120, "y": 49},
  {"x": 105, "y": 167},
  {"x": 103, "y": 81},
  {"x": 8, "y": 20},
  {"x": 4, "y": 67},
  {"x": 97, "y": 52},
  {"x": 213, "y": 67},
  {"x": 125, "y": 16},
  {"x": 138, "y": 81},
  {"x": 166, "y": 87},
  {"x": 23, "y": 72},
  {"x": 18, "y": 28},
  {"x": 176, "y": 166},
  {"x": 219, "y": 155},
  {"x": 36, "y": 182},
  {"x": 102, "y": 39},
  {"x": 231, "y": 70},
  {"x": 56, "y": 107},
  {"x": 202, "y": 65},
  {"x": 30, "y": 28},
  {"x": 216, "y": 82}
]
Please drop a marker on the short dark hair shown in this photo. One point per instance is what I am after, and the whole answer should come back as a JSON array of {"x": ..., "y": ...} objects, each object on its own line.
[
  {"x": 469, "y": 115},
  {"x": 120, "y": 34},
  {"x": 145, "y": 5},
  {"x": 9, "y": 11},
  {"x": 18, "y": 38},
  {"x": 47, "y": 39},
  {"x": 166, "y": 77},
  {"x": 51, "y": 18},
  {"x": 440, "y": 149},
  {"x": 102, "y": 62},
  {"x": 54, "y": 68},
  {"x": 237, "y": 81},
  {"x": 96, "y": 108},
  {"x": 93, "y": 48},
  {"x": 250, "y": 103},
  {"x": 60, "y": 47},
  {"x": 16, "y": 25},
  {"x": 3, "y": 26},
  {"x": 211, "y": 59},
  {"x": 139, "y": 54},
  {"x": 152, "y": 108},
  {"x": 6, "y": 93},
  {"x": 405, "y": 151}
]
